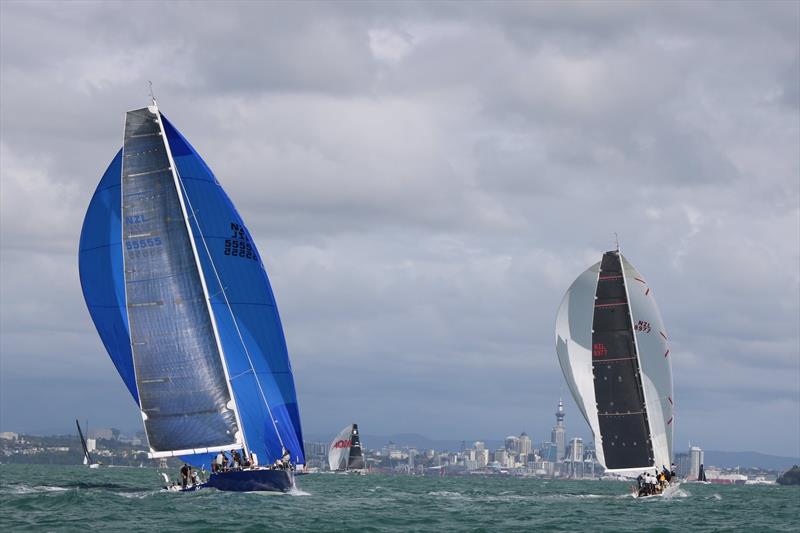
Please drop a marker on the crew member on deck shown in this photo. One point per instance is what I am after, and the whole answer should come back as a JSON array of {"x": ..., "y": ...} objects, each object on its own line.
[
  {"x": 236, "y": 460},
  {"x": 186, "y": 471},
  {"x": 286, "y": 459}
]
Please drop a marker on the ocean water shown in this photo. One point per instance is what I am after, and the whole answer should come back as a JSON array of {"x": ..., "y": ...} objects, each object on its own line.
[{"x": 58, "y": 498}]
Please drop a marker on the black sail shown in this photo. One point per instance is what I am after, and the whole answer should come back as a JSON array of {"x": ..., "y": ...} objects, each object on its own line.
[
  {"x": 356, "y": 459},
  {"x": 83, "y": 443},
  {"x": 621, "y": 409}
]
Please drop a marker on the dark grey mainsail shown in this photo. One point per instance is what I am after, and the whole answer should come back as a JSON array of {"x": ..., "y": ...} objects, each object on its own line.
[
  {"x": 621, "y": 407},
  {"x": 184, "y": 395},
  {"x": 356, "y": 459}
]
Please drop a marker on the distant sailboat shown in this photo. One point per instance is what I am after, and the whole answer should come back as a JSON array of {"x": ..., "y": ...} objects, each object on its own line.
[
  {"x": 87, "y": 457},
  {"x": 345, "y": 453},
  {"x": 612, "y": 346},
  {"x": 180, "y": 297}
]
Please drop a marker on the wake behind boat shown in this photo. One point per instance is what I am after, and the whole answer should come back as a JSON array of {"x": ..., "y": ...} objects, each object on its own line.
[
  {"x": 180, "y": 297},
  {"x": 612, "y": 347}
]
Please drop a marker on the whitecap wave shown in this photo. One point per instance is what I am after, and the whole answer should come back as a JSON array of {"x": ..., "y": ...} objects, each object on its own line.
[{"x": 447, "y": 494}]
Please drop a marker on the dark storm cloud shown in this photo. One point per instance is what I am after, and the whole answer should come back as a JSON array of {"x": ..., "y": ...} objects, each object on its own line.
[{"x": 424, "y": 182}]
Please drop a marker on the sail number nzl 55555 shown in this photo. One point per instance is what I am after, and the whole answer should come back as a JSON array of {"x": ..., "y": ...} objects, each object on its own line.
[{"x": 139, "y": 244}]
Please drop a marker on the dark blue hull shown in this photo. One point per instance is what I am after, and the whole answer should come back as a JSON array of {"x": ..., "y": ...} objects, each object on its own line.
[{"x": 252, "y": 481}]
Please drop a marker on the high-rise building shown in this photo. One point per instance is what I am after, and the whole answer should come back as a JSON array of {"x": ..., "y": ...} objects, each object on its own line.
[
  {"x": 483, "y": 458},
  {"x": 525, "y": 446},
  {"x": 695, "y": 460},
  {"x": 479, "y": 445},
  {"x": 683, "y": 465},
  {"x": 512, "y": 444},
  {"x": 501, "y": 456},
  {"x": 574, "y": 457},
  {"x": 559, "y": 431}
]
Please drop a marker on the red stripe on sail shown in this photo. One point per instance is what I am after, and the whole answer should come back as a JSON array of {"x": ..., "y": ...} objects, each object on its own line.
[
  {"x": 640, "y": 280},
  {"x": 647, "y": 291},
  {"x": 670, "y": 400},
  {"x": 669, "y": 421},
  {"x": 662, "y": 334},
  {"x": 666, "y": 353}
]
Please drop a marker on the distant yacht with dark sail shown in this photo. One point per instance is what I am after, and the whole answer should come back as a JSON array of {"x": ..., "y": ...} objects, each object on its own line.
[
  {"x": 614, "y": 353},
  {"x": 181, "y": 300},
  {"x": 87, "y": 457},
  {"x": 345, "y": 453}
]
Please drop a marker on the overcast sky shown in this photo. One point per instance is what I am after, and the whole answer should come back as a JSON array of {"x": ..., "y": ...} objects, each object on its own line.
[{"x": 424, "y": 181}]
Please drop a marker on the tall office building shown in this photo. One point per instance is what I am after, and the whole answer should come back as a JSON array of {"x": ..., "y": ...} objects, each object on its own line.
[
  {"x": 575, "y": 457},
  {"x": 695, "y": 460},
  {"x": 683, "y": 464},
  {"x": 512, "y": 444},
  {"x": 559, "y": 431},
  {"x": 501, "y": 456},
  {"x": 525, "y": 446}
]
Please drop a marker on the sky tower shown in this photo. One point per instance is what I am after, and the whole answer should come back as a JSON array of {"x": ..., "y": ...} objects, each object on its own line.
[{"x": 558, "y": 432}]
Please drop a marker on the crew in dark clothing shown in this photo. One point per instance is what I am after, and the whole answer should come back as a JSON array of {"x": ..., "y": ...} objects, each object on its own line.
[
  {"x": 236, "y": 459},
  {"x": 186, "y": 472}
]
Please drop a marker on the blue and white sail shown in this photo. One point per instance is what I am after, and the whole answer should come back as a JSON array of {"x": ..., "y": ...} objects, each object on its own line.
[{"x": 182, "y": 302}]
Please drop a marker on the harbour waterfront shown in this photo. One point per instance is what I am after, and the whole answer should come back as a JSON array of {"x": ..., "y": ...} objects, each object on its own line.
[{"x": 65, "y": 498}]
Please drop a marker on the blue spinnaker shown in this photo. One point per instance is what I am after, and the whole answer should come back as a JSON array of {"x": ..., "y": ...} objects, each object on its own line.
[
  {"x": 244, "y": 308},
  {"x": 102, "y": 279}
]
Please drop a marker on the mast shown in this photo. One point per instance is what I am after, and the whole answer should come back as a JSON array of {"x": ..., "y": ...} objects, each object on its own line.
[{"x": 178, "y": 190}]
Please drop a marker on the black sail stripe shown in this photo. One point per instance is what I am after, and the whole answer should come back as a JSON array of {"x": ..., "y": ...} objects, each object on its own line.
[{"x": 621, "y": 408}]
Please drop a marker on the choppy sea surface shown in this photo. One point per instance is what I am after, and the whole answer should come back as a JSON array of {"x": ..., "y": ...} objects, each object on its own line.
[{"x": 58, "y": 498}]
